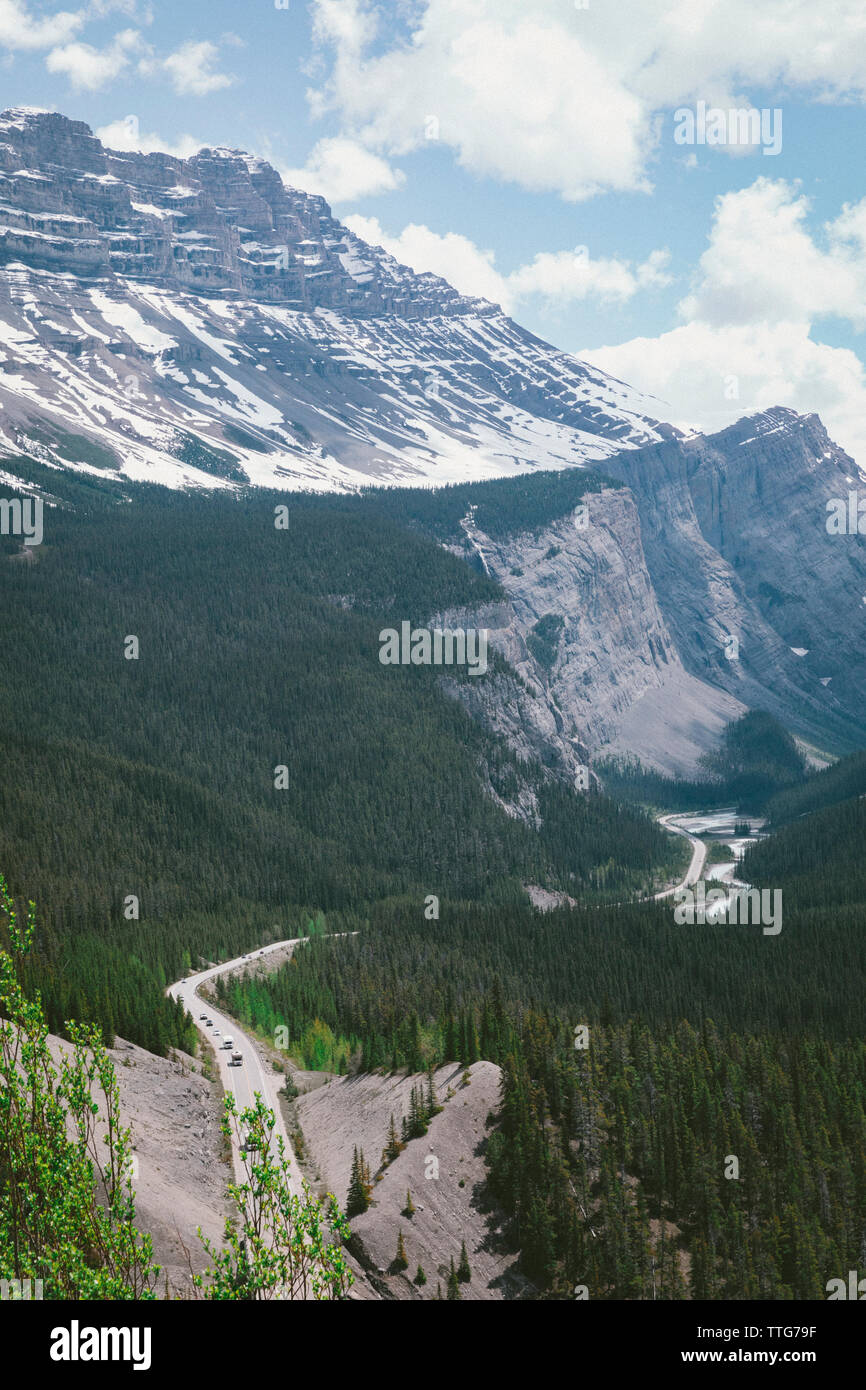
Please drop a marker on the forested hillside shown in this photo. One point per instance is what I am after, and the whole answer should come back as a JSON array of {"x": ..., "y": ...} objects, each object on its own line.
[
  {"x": 756, "y": 758},
  {"x": 258, "y": 650},
  {"x": 840, "y": 782},
  {"x": 156, "y": 779},
  {"x": 817, "y": 861},
  {"x": 757, "y": 762},
  {"x": 502, "y": 507},
  {"x": 613, "y": 1152}
]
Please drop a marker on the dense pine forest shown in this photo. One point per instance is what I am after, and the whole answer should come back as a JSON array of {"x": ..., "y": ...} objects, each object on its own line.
[
  {"x": 155, "y": 778},
  {"x": 613, "y": 1158},
  {"x": 817, "y": 861},
  {"x": 841, "y": 781}
]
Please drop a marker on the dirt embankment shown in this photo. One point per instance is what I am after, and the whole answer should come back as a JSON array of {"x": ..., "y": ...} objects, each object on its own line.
[
  {"x": 179, "y": 1172},
  {"x": 444, "y": 1171}
]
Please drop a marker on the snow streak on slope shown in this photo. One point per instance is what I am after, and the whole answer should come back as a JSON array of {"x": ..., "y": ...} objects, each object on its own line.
[
  {"x": 198, "y": 322},
  {"x": 299, "y": 400}
]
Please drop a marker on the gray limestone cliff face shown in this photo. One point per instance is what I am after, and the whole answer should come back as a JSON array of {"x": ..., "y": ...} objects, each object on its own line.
[
  {"x": 708, "y": 585},
  {"x": 736, "y": 541},
  {"x": 598, "y": 670},
  {"x": 220, "y": 221}
]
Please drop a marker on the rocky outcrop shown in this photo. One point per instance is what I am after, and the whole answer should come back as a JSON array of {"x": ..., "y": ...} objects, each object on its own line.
[
  {"x": 706, "y": 586},
  {"x": 222, "y": 221},
  {"x": 590, "y": 646},
  {"x": 736, "y": 542},
  {"x": 444, "y": 1171},
  {"x": 146, "y": 298}
]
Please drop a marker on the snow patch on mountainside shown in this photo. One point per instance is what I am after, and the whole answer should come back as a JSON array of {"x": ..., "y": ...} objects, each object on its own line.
[
  {"x": 198, "y": 323},
  {"x": 323, "y": 400}
]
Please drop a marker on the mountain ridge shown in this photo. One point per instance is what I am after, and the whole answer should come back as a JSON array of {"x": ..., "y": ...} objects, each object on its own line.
[{"x": 201, "y": 324}]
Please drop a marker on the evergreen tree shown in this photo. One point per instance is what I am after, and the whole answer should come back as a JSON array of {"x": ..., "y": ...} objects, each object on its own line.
[
  {"x": 394, "y": 1146},
  {"x": 432, "y": 1105},
  {"x": 358, "y": 1196}
]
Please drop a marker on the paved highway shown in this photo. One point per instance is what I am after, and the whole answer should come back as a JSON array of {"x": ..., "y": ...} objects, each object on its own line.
[
  {"x": 255, "y": 1073},
  {"x": 699, "y": 854}
]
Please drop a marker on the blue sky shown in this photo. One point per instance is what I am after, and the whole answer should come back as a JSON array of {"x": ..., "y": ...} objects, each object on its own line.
[{"x": 525, "y": 149}]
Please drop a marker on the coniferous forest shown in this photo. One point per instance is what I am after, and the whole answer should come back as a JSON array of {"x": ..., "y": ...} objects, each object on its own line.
[
  {"x": 155, "y": 777},
  {"x": 254, "y": 773}
]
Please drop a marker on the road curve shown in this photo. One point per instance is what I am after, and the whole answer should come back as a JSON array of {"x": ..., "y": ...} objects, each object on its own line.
[
  {"x": 699, "y": 855},
  {"x": 256, "y": 1073}
]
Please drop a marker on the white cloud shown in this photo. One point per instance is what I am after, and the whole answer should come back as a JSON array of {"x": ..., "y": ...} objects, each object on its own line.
[
  {"x": 566, "y": 276},
  {"x": 518, "y": 96},
  {"x": 710, "y": 376},
  {"x": 342, "y": 170},
  {"x": 347, "y": 23},
  {"x": 19, "y": 29},
  {"x": 762, "y": 263},
  {"x": 90, "y": 68},
  {"x": 192, "y": 69},
  {"x": 125, "y": 135},
  {"x": 748, "y": 339},
  {"x": 561, "y": 276},
  {"x": 556, "y": 98}
]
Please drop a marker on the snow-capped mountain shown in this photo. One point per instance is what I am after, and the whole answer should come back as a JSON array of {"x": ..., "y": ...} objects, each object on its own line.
[{"x": 197, "y": 322}]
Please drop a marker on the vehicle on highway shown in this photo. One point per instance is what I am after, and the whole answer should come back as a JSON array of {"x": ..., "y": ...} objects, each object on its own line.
[
  {"x": 228, "y": 1042},
  {"x": 208, "y": 1023},
  {"x": 202, "y": 1018},
  {"x": 237, "y": 1059}
]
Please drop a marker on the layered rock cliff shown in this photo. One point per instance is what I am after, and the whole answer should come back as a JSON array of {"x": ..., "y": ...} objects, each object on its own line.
[
  {"x": 222, "y": 220},
  {"x": 196, "y": 322},
  {"x": 706, "y": 586}
]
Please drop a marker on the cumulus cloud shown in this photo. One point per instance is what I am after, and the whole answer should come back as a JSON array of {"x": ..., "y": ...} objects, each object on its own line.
[
  {"x": 747, "y": 340},
  {"x": 349, "y": 24},
  {"x": 557, "y": 98},
  {"x": 341, "y": 170},
  {"x": 89, "y": 68},
  {"x": 763, "y": 263},
  {"x": 126, "y": 135},
  {"x": 561, "y": 276},
  {"x": 517, "y": 94},
  {"x": 566, "y": 276},
  {"x": 192, "y": 69},
  {"x": 20, "y": 29}
]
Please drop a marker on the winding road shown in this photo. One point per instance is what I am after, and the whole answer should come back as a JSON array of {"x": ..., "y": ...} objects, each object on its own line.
[
  {"x": 256, "y": 1072},
  {"x": 699, "y": 855}
]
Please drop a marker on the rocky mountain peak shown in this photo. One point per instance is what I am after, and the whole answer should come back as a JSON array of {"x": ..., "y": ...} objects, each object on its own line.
[
  {"x": 198, "y": 322},
  {"x": 221, "y": 222}
]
